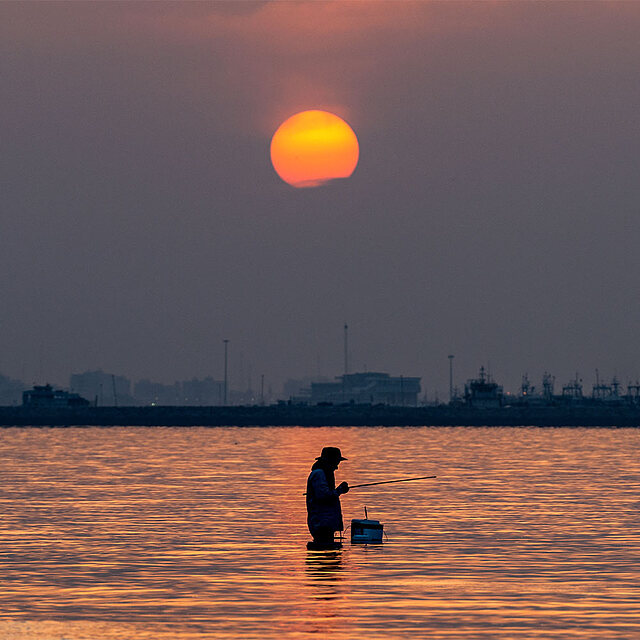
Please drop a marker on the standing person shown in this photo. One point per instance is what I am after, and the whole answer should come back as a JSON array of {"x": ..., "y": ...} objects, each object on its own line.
[{"x": 324, "y": 514}]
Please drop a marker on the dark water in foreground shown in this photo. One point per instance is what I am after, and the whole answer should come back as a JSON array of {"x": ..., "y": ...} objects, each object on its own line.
[{"x": 176, "y": 533}]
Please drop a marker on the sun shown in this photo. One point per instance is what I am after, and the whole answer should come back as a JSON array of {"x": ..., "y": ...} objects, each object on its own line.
[{"x": 313, "y": 147}]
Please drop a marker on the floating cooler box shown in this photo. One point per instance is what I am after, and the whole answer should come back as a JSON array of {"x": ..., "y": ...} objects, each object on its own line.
[{"x": 363, "y": 531}]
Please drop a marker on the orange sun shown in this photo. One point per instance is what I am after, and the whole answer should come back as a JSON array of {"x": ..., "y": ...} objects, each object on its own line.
[{"x": 312, "y": 148}]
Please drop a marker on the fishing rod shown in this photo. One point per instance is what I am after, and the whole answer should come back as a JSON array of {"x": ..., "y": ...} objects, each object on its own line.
[{"x": 371, "y": 484}]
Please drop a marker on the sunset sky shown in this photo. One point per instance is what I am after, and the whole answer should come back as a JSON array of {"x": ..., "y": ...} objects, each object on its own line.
[{"x": 494, "y": 213}]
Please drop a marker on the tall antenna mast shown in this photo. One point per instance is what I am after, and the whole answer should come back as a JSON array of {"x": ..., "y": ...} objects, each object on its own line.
[{"x": 346, "y": 348}]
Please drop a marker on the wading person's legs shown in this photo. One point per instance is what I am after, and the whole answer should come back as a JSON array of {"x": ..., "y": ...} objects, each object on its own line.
[{"x": 322, "y": 535}]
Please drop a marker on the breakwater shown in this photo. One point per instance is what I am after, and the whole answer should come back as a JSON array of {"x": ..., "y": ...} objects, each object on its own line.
[{"x": 316, "y": 416}]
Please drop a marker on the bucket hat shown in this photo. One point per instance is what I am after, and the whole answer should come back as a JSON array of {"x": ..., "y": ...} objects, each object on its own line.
[{"x": 331, "y": 453}]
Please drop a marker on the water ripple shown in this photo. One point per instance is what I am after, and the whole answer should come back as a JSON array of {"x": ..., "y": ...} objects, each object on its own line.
[{"x": 184, "y": 533}]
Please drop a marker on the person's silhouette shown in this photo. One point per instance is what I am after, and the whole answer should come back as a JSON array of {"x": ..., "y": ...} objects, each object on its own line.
[{"x": 324, "y": 514}]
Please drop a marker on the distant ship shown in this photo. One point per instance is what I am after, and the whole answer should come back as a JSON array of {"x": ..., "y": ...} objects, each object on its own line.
[
  {"x": 484, "y": 392},
  {"x": 45, "y": 396}
]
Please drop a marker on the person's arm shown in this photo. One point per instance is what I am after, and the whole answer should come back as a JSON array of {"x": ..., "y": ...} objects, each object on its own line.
[{"x": 321, "y": 490}]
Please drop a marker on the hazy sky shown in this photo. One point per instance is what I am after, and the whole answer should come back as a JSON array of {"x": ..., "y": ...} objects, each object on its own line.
[{"x": 494, "y": 214}]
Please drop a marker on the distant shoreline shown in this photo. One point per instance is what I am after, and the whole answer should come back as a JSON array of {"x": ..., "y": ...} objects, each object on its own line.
[{"x": 319, "y": 416}]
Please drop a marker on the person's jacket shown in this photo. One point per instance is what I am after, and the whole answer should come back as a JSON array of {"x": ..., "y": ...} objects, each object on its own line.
[{"x": 323, "y": 502}]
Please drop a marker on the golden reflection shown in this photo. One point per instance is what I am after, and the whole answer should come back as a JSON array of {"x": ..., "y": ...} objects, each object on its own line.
[
  {"x": 178, "y": 534},
  {"x": 324, "y": 568}
]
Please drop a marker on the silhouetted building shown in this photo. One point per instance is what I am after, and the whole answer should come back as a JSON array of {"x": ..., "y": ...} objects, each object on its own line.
[
  {"x": 98, "y": 386},
  {"x": 156, "y": 393},
  {"x": 47, "y": 397},
  {"x": 206, "y": 392},
  {"x": 365, "y": 388},
  {"x": 11, "y": 391},
  {"x": 299, "y": 389}
]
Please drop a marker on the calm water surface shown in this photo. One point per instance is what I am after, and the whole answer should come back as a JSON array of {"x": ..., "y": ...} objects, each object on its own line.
[{"x": 180, "y": 533}]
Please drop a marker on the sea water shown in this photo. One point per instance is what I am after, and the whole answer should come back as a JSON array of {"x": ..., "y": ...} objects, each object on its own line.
[{"x": 185, "y": 533}]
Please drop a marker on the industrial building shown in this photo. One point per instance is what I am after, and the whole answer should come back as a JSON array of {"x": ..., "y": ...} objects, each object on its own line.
[{"x": 363, "y": 388}]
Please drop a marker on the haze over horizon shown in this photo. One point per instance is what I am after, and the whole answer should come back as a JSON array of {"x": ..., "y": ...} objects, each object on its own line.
[{"x": 494, "y": 213}]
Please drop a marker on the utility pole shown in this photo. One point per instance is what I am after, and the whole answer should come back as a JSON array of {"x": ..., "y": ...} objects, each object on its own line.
[
  {"x": 346, "y": 348},
  {"x": 115, "y": 395},
  {"x": 262, "y": 389},
  {"x": 226, "y": 344},
  {"x": 451, "y": 378}
]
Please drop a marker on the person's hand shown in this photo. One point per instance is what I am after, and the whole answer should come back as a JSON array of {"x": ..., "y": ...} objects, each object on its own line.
[{"x": 343, "y": 487}]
